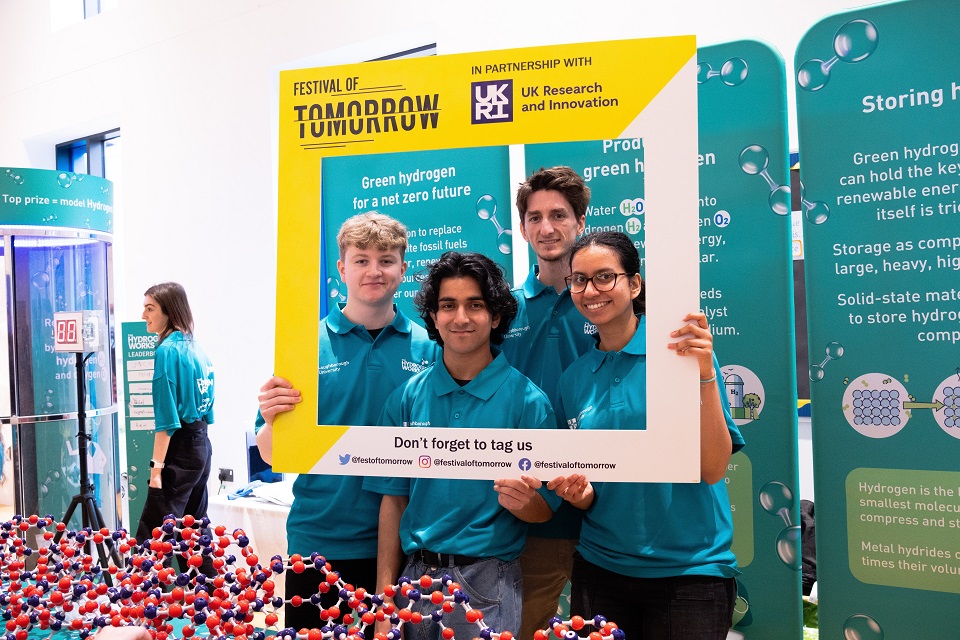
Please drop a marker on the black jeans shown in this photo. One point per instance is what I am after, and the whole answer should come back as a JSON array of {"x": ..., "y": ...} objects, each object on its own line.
[
  {"x": 183, "y": 482},
  {"x": 359, "y": 573},
  {"x": 677, "y": 608}
]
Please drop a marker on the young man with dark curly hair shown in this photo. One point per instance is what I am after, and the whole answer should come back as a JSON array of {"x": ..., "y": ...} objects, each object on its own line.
[{"x": 472, "y": 530}]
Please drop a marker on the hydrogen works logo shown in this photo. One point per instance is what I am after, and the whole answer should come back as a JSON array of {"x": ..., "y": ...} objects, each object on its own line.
[{"x": 492, "y": 101}]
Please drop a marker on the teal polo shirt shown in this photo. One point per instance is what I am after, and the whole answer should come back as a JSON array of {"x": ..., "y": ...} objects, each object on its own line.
[
  {"x": 545, "y": 338},
  {"x": 644, "y": 530},
  {"x": 182, "y": 383},
  {"x": 547, "y": 335},
  {"x": 463, "y": 517},
  {"x": 333, "y": 515}
]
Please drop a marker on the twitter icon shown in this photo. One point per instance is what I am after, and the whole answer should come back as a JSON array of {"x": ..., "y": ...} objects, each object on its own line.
[{"x": 345, "y": 459}]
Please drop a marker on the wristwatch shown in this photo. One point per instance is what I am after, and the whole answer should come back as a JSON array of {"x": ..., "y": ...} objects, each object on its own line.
[{"x": 156, "y": 465}]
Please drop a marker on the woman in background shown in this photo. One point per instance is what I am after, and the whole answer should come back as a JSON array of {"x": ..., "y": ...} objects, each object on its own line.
[
  {"x": 183, "y": 407},
  {"x": 653, "y": 557}
]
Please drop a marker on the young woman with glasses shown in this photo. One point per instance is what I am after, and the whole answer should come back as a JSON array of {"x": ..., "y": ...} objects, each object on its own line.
[{"x": 653, "y": 557}]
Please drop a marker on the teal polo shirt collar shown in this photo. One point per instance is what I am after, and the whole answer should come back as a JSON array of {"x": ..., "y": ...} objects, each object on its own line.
[
  {"x": 342, "y": 325},
  {"x": 636, "y": 347},
  {"x": 175, "y": 336},
  {"x": 482, "y": 387},
  {"x": 532, "y": 287}
]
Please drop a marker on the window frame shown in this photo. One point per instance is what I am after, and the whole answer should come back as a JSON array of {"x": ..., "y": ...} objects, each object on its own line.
[{"x": 94, "y": 148}]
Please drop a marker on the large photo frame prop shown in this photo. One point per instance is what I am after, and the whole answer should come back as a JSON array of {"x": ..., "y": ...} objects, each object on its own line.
[{"x": 632, "y": 89}]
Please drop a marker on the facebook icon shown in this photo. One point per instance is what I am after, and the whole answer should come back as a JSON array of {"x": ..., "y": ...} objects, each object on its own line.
[{"x": 524, "y": 464}]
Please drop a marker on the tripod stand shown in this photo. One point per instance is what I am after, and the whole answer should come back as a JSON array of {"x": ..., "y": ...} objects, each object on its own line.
[{"x": 90, "y": 513}]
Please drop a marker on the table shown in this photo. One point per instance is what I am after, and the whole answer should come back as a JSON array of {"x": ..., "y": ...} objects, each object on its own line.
[{"x": 265, "y": 524}]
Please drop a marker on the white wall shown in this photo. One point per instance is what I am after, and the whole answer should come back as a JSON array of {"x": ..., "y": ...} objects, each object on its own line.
[{"x": 189, "y": 84}]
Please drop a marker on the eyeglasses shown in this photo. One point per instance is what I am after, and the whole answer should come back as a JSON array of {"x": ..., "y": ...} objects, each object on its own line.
[{"x": 577, "y": 283}]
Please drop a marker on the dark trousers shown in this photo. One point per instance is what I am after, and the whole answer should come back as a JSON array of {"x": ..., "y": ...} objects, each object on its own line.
[
  {"x": 183, "y": 482},
  {"x": 359, "y": 573},
  {"x": 678, "y": 608}
]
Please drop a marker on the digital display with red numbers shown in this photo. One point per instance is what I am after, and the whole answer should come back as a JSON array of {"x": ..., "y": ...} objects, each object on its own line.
[{"x": 66, "y": 331}]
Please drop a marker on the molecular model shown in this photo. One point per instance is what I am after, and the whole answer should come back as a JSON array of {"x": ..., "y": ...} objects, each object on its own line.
[{"x": 67, "y": 589}]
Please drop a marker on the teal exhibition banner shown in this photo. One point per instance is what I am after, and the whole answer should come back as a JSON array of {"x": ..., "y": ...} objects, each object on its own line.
[
  {"x": 449, "y": 200},
  {"x": 137, "y": 355},
  {"x": 746, "y": 282},
  {"x": 878, "y": 93},
  {"x": 46, "y": 198}
]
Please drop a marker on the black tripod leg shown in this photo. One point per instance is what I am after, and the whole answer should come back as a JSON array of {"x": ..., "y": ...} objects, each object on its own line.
[
  {"x": 94, "y": 515},
  {"x": 101, "y": 524},
  {"x": 76, "y": 501}
]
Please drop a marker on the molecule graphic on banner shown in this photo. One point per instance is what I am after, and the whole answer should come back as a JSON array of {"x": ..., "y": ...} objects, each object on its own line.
[
  {"x": 853, "y": 42},
  {"x": 815, "y": 212},
  {"x": 732, "y": 72},
  {"x": 69, "y": 590},
  {"x": 66, "y": 180},
  {"x": 834, "y": 351},
  {"x": 777, "y": 500},
  {"x": 862, "y": 627},
  {"x": 336, "y": 289},
  {"x": 755, "y": 160},
  {"x": 487, "y": 210}
]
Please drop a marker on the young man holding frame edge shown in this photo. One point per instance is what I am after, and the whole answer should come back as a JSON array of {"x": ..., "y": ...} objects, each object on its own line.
[
  {"x": 367, "y": 349},
  {"x": 470, "y": 530}
]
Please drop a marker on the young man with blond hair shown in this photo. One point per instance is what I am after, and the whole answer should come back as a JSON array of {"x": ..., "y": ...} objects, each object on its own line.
[{"x": 367, "y": 349}]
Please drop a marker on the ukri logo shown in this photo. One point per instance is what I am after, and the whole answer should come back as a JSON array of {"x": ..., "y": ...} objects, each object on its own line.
[{"x": 492, "y": 101}]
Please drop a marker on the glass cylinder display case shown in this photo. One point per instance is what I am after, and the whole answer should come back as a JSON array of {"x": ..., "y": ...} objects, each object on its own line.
[{"x": 55, "y": 249}]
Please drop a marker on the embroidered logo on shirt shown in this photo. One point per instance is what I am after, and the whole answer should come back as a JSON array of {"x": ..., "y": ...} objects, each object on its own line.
[
  {"x": 589, "y": 328},
  {"x": 413, "y": 367},
  {"x": 516, "y": 332},
  {"x": 203, "y": 384},
  {"x": 574, "y": 423},
  {"x": 333, "y": 367}
]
